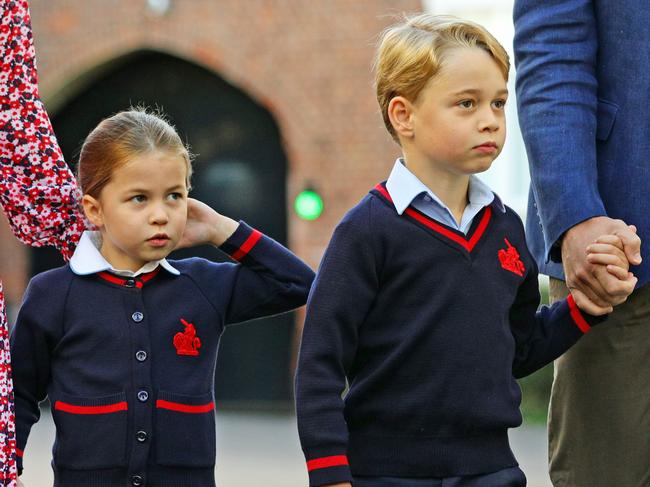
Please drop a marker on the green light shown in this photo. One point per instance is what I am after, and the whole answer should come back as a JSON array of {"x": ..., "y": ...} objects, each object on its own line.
[{"x": 308, "y": 205}]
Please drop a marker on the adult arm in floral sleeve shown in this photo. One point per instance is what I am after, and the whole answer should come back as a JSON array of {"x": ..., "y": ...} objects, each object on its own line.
[{"x": 38, "y": 193}]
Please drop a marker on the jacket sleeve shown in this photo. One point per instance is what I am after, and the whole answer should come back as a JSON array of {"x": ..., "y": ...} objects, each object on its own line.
[
  {"x": 33, "y": 338},
  {"x": 343, "y": 292},
  {"x": 555, "y": 54},
  {"x": 38, "y": 192},
  {"x": 269, "y": 279}
]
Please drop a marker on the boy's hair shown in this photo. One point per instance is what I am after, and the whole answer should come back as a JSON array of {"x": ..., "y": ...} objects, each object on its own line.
[
  {"x": 411, "y": 52},
  {"x": 120, "y": 138}
]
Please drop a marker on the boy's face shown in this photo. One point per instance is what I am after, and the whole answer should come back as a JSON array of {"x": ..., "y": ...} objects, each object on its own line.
[
  {"x": 142, "y": 211},
  {"x": 458, "y": 120}
]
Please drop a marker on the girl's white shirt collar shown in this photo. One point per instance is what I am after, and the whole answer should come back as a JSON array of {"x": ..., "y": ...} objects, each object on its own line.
[{"x": 88, "y": 260}]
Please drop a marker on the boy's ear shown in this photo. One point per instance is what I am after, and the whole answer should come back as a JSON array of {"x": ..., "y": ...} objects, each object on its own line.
[
  {"x": 93, "y": 210},
  {"x": 400, "y": 114}
]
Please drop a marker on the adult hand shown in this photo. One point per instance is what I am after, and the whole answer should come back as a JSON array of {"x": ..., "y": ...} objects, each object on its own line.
[{"x": 594, "y": 289}]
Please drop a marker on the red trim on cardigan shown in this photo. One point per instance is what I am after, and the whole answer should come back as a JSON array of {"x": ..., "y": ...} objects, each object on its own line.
[
  {"x": 577, "y": 315},
  {"x": 425, "y": 220},
  {"x": 184, "y": 408},
  {"x": 74, "y": 409},
  {"x": 326, "y": 462},
  {"x": 121, "y": 281},
  {"x": 247, "y": 246}
]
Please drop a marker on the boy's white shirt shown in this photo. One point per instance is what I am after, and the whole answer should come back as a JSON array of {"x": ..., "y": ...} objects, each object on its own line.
[
  {"x": 406, "y": 189},
  {"x": 88, "y": 260}
]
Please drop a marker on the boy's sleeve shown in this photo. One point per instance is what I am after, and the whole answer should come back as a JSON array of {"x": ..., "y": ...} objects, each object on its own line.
[
  {"x": 542, "y": 336},
  {"x": 269, "y": 279},
  {"x": 32, "y": 341},
  {"x": 342, "y": 295}
]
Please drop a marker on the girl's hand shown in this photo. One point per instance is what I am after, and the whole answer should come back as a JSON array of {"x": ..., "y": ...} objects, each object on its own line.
[
  {"x": 607, "y": 250},
  {"x": 205, "y": 226}
]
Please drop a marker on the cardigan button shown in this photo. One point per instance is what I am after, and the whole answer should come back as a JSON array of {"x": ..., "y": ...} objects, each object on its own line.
[
  {"x": 143, "y": 396},
  {"x": 129, "y": 283},
  {"x": 141, "y": 436},
  {"x": 141, "y": 355},
  {"x": 137, "y": 480},
  {"x": 137, "y": 316}
]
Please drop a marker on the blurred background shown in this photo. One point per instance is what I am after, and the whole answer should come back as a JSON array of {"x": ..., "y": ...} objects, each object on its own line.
[{"x": 275, "y": 98}]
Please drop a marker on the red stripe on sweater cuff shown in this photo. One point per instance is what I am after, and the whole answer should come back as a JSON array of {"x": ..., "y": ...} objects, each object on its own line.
[
  {"x": 247, "y": 246},
  {"x": 578, "y": 319},
  {"x": 325, "y": 462},
  {"x": 19, "y": 452},
  {"x": 74, "y": 409},
  {"x": 184, "y": 408}
]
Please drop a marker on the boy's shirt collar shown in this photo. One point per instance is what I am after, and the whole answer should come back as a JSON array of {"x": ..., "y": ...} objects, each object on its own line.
[
  {"x": 88, "y": 260},
  {"x": 404, "y": 187}
]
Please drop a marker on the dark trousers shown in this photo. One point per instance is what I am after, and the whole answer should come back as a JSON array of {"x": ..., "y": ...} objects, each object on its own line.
[
  {"x": 510, "y": 477},
  {"x": 599, "y": 417}
]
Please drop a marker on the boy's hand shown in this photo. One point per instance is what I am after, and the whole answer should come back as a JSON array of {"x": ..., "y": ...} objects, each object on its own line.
[
  {"x": 205, "y": 226},
  {"x": 607, "y": 250}
]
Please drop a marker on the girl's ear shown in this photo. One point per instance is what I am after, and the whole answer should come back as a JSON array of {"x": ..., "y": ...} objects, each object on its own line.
[
  {"x": 93, "y": 210},
  {"x": 400, "y": 114}
]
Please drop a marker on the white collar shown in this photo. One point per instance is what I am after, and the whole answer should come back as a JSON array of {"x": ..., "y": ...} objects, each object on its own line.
[
  {"x": 88, "y": 260},
  {"x": 404, "y": 186}
]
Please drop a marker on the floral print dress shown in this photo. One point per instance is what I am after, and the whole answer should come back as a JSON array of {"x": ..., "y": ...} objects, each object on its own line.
[{"x": 38, "y": 193}]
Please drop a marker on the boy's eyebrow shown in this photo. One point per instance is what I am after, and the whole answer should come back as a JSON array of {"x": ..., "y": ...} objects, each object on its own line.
[{"x": 473, "y": 91}]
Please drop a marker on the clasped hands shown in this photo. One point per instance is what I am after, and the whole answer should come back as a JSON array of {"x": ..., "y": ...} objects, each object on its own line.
[{"x": 596, "y": 256}]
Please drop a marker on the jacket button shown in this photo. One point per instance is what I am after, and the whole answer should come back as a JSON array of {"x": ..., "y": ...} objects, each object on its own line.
[
  {"x": 137, "y": 480},
  {"x": 143, "y": 396},
  {"x": 129, "y": 283},
  {"x": 141, "y": 356},
  {"x": 141, "y": 436},
  {"x": 137, "y": 317}
]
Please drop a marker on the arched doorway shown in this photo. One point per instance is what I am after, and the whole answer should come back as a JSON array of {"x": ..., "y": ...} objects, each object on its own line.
[{"x": 240, "y": 170}]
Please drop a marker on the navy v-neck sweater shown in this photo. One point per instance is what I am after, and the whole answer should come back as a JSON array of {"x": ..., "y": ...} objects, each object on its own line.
[{"x": 429, "y": 328}]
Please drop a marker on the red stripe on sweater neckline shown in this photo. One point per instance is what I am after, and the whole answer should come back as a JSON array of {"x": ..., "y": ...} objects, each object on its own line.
[{"x": 467, "y": 244}]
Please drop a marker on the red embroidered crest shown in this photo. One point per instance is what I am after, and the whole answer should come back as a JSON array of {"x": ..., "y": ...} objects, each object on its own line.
[
  {"x": 186, "y": 342},
  {"x": 510, "y": 260}
]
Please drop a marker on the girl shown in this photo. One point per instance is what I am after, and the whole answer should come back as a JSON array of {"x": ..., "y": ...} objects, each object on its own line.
[{"x": 123, "y": 341}]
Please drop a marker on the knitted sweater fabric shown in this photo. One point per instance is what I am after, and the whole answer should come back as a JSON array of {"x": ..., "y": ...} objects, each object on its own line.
[
  {"x": 128, "y": 363},
  {"x": 429, "y": 328}
]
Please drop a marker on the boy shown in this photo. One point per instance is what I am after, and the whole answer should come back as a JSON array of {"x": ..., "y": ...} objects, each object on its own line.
[{"x": 426, "y": 298}]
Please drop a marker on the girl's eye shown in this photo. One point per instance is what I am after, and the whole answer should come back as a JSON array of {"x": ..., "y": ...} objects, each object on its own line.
[
  {"x": 138, "y": 198},
  {"x": 466, "y": 103},
  {"x": 499, "y": 104},
  {"x": 175, "y": 196}
]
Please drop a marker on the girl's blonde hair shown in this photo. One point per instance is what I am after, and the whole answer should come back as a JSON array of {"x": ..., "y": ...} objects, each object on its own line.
[
  {"x": 411, "y": 52},
  {"x": 120, "y": 138}
]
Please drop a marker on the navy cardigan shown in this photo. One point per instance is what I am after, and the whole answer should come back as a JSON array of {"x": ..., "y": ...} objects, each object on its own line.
[{"x": 128, "y": 363}]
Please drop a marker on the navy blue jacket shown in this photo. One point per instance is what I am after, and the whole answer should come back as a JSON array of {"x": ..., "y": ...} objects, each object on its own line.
[
  {"x": 583, "y": 85},
  {"x": 429, "y": 328},
  {"x": 128, "y": 364}
]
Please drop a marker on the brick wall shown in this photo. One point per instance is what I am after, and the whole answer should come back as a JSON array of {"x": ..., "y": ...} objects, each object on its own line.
[{"x": 307, "y": 62}]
